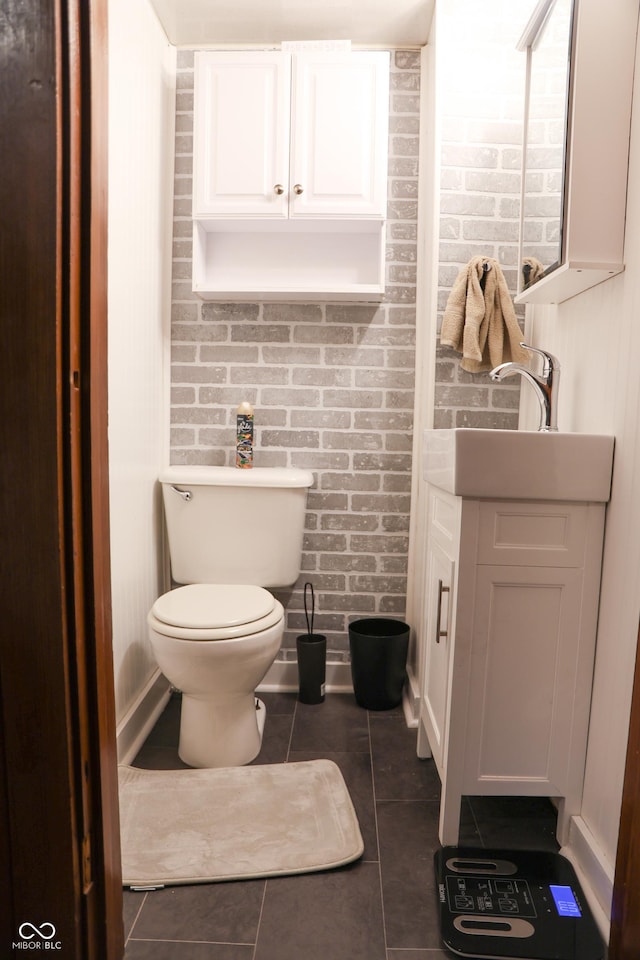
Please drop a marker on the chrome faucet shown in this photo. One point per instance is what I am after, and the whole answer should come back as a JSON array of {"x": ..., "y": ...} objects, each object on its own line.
[{"x": 545, "y": 384}]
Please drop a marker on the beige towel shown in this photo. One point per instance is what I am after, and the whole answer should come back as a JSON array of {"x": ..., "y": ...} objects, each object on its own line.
[
  {"x": 475, "y": 322},
  {"x": 532, "y": 270}
]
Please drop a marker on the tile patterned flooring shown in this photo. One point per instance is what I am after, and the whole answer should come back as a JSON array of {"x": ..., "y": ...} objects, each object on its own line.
[{"x": 380, "y": 908}]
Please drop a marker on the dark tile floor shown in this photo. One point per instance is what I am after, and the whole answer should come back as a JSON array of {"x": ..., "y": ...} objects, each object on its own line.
[{"x": 380, "y": 908}]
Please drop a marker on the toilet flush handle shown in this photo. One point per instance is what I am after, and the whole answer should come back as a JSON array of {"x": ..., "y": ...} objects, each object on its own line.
[{"x": 185, "y": 494}]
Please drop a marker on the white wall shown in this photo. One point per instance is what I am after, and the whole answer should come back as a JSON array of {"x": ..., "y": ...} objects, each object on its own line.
[
  {"x": 141, "y": 130},
  {"x": 470, "y": 158},
  {"x": 426, "y": 309},
  {"x": 596, "y": 337}
]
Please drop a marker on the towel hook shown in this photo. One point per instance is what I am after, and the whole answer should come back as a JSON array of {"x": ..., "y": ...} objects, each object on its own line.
[{"x": 486, "y": 266}]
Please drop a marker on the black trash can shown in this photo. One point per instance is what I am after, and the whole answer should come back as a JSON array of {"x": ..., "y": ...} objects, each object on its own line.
[{"x": 378, "y": 647}]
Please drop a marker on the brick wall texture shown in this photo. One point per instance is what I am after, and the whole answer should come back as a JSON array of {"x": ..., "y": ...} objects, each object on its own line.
[
  {"x": 481, "y": 102},
  {"x": 545, "y": 140},
  {"x": 332, "y": 388},
  {"x": 332, "y": 383}
]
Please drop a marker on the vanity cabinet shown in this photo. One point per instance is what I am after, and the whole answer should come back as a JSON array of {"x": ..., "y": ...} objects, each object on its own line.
[
  {"x": 290, "y": 168},
  {"x": 511, "y": 602},
  {"x": 439, "y": 620}
]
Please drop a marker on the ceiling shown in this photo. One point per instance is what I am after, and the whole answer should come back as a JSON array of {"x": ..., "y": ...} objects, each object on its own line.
[{"x": 390, "y": 23}]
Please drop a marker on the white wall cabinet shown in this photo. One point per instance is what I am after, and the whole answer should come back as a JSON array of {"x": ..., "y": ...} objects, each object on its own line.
[
  {"x": 241, "y": 134},
  {"x": 589, "y": 235},
  {"x": 339, "y": 149},
  {"x": 511, "y": 602},
  {"x": 290, "y": 135},
  {"x": 290, "y": 168}
]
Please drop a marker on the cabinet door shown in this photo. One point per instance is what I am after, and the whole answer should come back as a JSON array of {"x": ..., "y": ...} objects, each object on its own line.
[
  {"x": 438, "y": 639},
  {"x": 241, "y": 134},
  {"x": 339, "y": 135},
  {"x": 527, "y": 634}
]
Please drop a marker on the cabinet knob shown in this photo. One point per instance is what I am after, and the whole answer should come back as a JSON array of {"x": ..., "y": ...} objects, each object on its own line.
[
  {"x": 298, "y": 189},
  {"x": 279, "y": 189},
  {"x": 439, "y": 632}
]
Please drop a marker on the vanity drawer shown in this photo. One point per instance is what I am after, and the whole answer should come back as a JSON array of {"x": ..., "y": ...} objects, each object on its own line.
[{"x": 532, "y": 534}]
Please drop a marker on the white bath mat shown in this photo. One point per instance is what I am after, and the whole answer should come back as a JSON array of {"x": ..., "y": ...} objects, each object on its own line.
[{"x": 234, "y": 823}]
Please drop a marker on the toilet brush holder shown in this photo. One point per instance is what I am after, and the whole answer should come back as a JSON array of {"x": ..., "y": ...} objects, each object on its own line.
[{"x": 312, "y": 657}]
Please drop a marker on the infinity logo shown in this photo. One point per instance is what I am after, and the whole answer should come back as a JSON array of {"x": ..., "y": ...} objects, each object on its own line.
[{"x": 37, "y": 931}]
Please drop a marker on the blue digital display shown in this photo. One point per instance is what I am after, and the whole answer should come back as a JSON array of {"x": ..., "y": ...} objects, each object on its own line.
[{"x": 565, "y": 901}]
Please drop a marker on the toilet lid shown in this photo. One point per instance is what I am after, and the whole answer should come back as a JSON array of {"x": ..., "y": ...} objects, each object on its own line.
[{"x": 208, "y": 606}]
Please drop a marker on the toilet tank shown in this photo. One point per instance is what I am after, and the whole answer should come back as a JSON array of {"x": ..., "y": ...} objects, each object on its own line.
[{"x": 227, "y": 525}]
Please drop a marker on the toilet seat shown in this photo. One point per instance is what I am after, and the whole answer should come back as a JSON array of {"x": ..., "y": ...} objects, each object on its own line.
[{"x": 208, "y": 611}]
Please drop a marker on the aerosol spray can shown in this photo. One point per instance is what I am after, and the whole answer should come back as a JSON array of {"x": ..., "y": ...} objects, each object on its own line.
[{"x": 244, "y": 436}]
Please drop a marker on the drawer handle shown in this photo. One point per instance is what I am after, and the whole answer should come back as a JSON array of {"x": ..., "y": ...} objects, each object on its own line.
[
  {"x": 279, "y": 189},
  {"x": 440, "y": 633},
  {"x": 298, "y": 189}
]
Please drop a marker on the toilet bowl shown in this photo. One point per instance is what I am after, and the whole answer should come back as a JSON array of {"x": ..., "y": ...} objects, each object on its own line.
[{"x": 215, "y": 643}]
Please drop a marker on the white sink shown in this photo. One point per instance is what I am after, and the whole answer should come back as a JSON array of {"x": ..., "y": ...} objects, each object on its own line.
[{"x": 519, "y": 465}]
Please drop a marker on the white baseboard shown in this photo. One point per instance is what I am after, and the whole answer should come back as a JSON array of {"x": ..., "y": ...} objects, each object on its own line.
[
  {"x": 411, "y": 699},
  {"x": 140, "y": 718},
  {"x": 135, "y": 726},
  {"x": 283, "y": 677},
  {"x": 594, "y": 871}
]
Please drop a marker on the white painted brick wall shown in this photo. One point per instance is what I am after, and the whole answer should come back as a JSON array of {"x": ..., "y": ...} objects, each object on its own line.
[
  {"x": 332, "y": 387},
  {"x": 545, "y": 142},
  {"x": 482, "y": 104}
]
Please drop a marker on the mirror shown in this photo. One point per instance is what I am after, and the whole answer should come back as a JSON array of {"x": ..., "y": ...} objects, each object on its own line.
[{"x": 547, "y": 41}]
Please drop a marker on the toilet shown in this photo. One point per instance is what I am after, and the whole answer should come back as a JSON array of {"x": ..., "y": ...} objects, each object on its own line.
[{"x": 231, "y": 533}]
